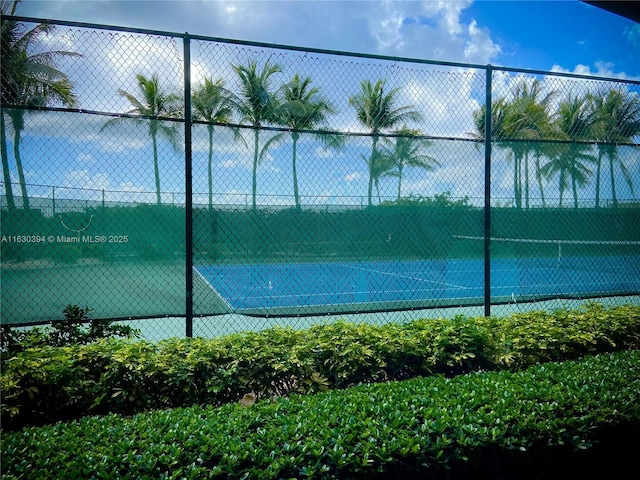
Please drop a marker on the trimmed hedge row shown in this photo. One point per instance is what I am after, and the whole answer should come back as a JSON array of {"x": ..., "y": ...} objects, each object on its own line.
[
  {"x": 577, "y": 419},
  {"x": 48, "y": 384}
]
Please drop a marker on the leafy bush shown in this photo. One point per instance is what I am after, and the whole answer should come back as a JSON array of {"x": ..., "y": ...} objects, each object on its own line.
[
  {"x": 577, "y": 419},
  {"x": 77, "y": 328},
  {"x": 527, "y": 338},
  {"x": 438, "y": 200},
  {"x": 41, "y": 385}
]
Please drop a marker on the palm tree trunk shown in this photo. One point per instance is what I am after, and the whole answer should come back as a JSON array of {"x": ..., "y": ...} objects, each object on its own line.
[
  {"x": 539, "y": 177},
  {"x": 156, "y": 168},
  {"x": 526, "y": 179},
  {"x": 16, "y": 153},
  {"x": 8, "y": 189},
  {"x": 516, "y": 182},
  {"x": 574, "y": 186},
  {"x": 399, "y": 181},
  {"x": 613, "y": 183},
  {"x": 296, "y": 197},
  {"x": 254, "y": 180},
  {"x": 598, "y": 168},
  {"x": 210, "y": 167},
  {"x": 372, "y": 169}
]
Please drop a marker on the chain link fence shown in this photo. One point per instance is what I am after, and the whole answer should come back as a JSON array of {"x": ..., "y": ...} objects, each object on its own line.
[{"x": 199, "y": 186}]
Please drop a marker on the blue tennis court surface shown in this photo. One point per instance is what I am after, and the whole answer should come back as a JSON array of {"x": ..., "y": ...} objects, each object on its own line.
[{"x": 361, "y": 286}]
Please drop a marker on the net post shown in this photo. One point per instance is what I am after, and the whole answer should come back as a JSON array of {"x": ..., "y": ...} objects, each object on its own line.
[
  {"x": 188, "y": 189},
  {"x": 487, "y": 193}
]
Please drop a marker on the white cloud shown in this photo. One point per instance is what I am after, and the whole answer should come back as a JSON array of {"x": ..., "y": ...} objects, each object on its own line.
[
  {"x": 228, "y": 164},
  {"x": 424, "y": 186},
  {"x": 85, "y": 158},
  {"x": 118, "y": 143},
  {"x": 451, "y": 14},
  {"x": 110, "y": 61},
  {"x": 386, "y": 27},
  {"x": 446, "y": 100},
  {"x": 632, "y": 34},
  {"x": 601, "y": 69},
  {"x": 268, "y": 164},
  {"x": 479, "y": 46},
  {"x": 85, "y": 185},
  {"x": 431, "y": 30},
  {"x": 323, "y": 152},
  {"x": 353, "y": 176},
  {"x": 55, "y": 124}
]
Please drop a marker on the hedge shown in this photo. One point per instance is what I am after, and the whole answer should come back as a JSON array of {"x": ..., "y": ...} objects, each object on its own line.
[
  {"x": 575, "y": 419},
  {"x": 48, "y": 384}
]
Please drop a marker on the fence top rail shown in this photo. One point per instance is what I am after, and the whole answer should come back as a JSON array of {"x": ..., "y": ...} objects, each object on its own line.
[{"x": 187, "y": 36}]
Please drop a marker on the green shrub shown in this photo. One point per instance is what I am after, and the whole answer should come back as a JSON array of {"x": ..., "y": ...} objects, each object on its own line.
[
  {"x": 577, "y": 419},
  {"x": 76, "y": 328},
  {"x": 527, "y": 338},
  {"x": 46, "y": 384}
]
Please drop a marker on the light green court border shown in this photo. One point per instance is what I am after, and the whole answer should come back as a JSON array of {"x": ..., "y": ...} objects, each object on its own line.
[
  {"x": 214, "y": 326},
  {"x": 38, "y": 292}
]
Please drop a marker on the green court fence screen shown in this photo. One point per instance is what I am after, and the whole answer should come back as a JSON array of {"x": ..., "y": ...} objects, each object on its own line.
[{"x": 199, "y": 186}]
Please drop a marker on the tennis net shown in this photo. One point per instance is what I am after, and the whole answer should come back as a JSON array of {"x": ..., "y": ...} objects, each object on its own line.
[{"x": 556, "y": 248}]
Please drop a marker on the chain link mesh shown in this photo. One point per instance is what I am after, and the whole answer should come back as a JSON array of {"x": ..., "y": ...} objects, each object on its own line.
[{"x": 323, "y": 185}]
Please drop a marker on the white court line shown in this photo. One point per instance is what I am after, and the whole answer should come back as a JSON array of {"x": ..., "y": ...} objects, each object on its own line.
[
  {"x": 342, "y": 294},
  {"x": 229, "y": 306},
  {"x": 463, "y": 287},
  {"x": 566, "y": 242}
]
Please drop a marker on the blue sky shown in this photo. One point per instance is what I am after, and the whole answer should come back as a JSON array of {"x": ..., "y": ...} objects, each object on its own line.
[{"x": 564, "y": 36}]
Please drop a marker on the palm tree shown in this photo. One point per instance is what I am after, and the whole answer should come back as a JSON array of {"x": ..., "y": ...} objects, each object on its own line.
[
  {"x": 617, "y": 121},
  {"x": 378, "y": 112},
  {"x": 256, "y": 105},
  {"x": 501, "y": 120},
  {"x": 408, "y": 151},
  {"x": 379, "y": 165},
  {"x": 212, "y": 103},
  {"x": 302, "y": 109},
  {"x": 152, "y": 105},
  {"x": 527, "y": 117},
  {"x": 573, "y": 123},
  {"x": 498, "y": 114},
  {"x": 539, "y": 150},
  {"x": 29, "y": 79}
]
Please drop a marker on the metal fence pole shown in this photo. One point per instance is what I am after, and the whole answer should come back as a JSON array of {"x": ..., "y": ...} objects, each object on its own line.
[
  {"x": 487, "y": 194},
  {"x": 188, "y": 188}
]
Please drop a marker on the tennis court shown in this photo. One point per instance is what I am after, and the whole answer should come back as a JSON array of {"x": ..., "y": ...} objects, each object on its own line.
[{"x": 308, "y": 288}]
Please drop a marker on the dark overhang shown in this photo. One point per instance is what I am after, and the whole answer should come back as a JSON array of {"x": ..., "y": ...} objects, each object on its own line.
[{"x": 629, "y": 9}]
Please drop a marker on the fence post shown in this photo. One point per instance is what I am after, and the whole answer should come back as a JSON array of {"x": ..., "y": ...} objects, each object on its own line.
[
  {"x": 53, "y": 201},
  {"x": 188, "y": 188},
  {"x": 487, "y": 193}
]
